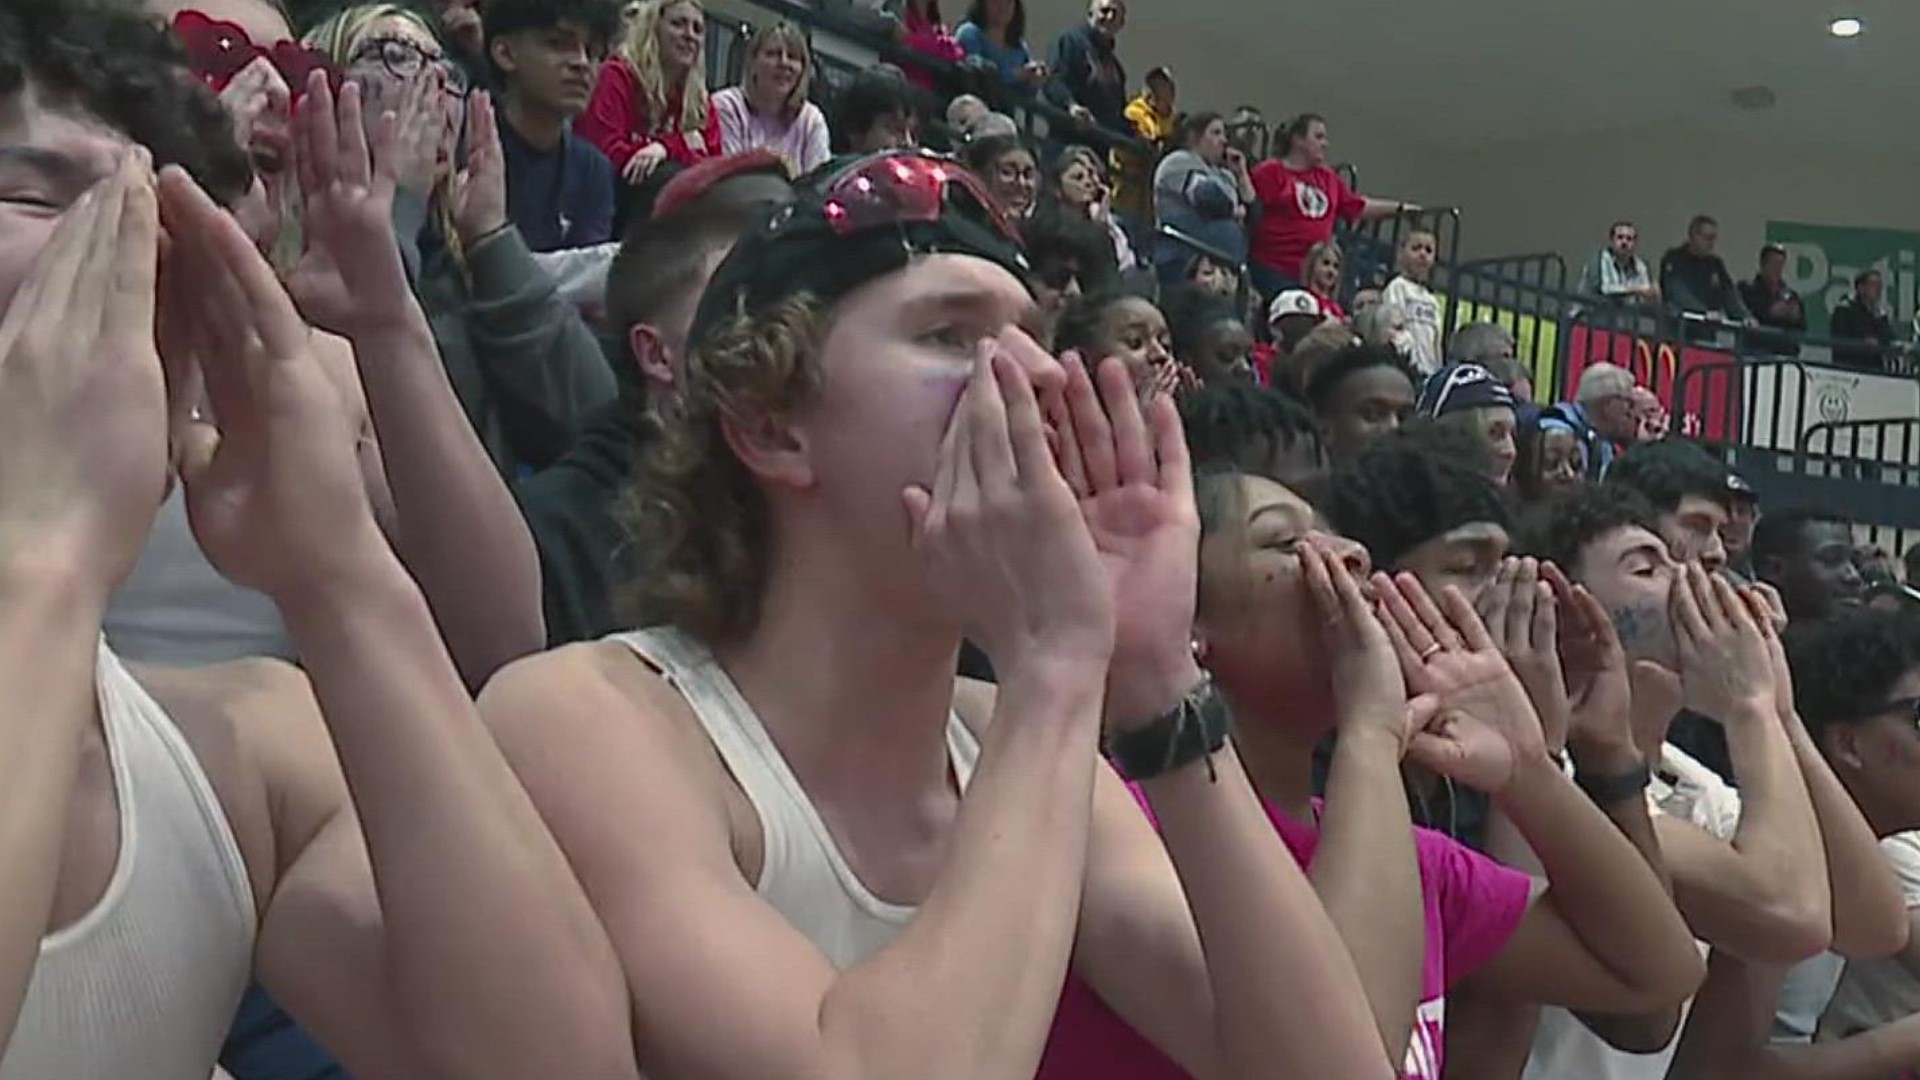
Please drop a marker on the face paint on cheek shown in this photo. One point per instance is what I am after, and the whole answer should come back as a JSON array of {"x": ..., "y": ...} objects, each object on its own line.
[
  {"x": 1645, "y": 633},
  {"x": 1628, "y": 623}
]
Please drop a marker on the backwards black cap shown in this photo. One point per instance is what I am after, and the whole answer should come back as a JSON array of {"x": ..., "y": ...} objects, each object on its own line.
[{"x": 808, "y": 246}]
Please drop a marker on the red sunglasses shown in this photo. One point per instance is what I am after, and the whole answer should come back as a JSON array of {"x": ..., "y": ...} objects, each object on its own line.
[
  {"x": 908, "y": 185},
  {"x": 218, "y": 50}
]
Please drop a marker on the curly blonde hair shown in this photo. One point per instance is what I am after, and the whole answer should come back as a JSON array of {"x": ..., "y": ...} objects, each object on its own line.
[
  {"x": 641, "y": 51},
  {"x": 698, "y": 522}
]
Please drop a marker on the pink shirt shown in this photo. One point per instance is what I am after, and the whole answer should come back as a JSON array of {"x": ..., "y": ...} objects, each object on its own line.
[
  {"x": 801, "y": 141},
  {"x": 1473, "y": 905}
]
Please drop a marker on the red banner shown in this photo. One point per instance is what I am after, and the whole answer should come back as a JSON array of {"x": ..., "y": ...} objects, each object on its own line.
[{"x": 1699, "y": 386}]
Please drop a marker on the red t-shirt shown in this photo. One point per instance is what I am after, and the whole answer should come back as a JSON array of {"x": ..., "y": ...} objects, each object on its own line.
[
  {"x": 617, "y": 121},
  {"x": 1298, "y": 209}
]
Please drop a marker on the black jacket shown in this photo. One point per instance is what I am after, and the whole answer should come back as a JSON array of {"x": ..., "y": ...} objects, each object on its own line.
[
  {"x": 1085, "y": 70},
  {"x": 1854, "y": 321},
  {"x": 1781, "y": 336},
  {"x": 1699, "y": 283}
]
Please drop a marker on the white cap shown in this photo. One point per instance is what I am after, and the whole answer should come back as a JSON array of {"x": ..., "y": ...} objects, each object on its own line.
[{"x": 1293, "y": 302}]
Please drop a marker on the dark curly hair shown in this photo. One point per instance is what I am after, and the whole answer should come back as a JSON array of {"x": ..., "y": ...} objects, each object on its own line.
[
  {"x": 1845, "y": 667},
  {"x": 1192, "y": 315},
  {"x": 1668, "y": 471},
  {"x": 1055, "y": 239},
  {"x": 124, "y": 67},
  {"x": 599, "y": 19},
  {"x": 1781, "y": 534},
  {"x": 1562, "y": 530},
  {"x": 1237, "y": 425},
  {"x": 1408, "y": 488},
  {"x": 1080, "y": 324},
  {"x": 1325, "y": 381}
]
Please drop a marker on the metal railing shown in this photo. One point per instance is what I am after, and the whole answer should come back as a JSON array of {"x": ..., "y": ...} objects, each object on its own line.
[
  {"x": 1037, "y": 117},
  {"x": 1372, "y": 247},
  {"x": 1492, "y": 290}
]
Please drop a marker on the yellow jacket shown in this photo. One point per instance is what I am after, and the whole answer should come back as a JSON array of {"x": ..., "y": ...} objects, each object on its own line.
[
  {"x": 1147, "y": 121},
  {"x": 1132, "y": 174}
]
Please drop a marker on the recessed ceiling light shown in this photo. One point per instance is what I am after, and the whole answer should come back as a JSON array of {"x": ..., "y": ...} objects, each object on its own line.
[{"x": 1845, "y": 28}]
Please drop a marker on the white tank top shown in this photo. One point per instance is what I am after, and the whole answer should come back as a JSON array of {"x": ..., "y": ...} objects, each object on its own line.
[
  {"x": 802, "y": 874},
  {"x": 145, "y": 984}
]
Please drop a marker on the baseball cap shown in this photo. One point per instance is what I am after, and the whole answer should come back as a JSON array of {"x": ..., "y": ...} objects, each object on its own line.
[
  {"x": 1293, "y": 302},
  {"x": 691, "y": 183},
  {"x": 856, "y": 222},
  {"x": 1458, "y": 387}
]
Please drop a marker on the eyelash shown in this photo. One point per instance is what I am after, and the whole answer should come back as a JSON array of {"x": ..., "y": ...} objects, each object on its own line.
[{"x": 949, "y": 337}]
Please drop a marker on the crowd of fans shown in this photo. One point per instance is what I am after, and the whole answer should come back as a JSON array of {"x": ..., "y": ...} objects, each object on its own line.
[{"x": 489, "y": 527}]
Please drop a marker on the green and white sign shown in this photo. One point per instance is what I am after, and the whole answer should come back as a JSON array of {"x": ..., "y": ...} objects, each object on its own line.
[{"x": 1822, "y": 260}]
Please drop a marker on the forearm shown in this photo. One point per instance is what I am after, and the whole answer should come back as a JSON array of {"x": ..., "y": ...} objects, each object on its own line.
[
  {"x": 1879, "y": 1054},
  {"x": 1380, "y": 208},
  {"x": 49, "y": 637},
  {"x": 1265, "y": 935},
  {"x": 1603, "y": 888},
  {"x": 1728, "y": 1035},
  {"x": 968, "y": 990},
  {"x": 549, "y": 370},
  {"x": 1367, "y": 876},
  {"x": 482, "y": 580},
  {"x": 1869, "y": 914},
  {"x": 1778, "y": 839},
  {"x": 457, "y": 849},
  {"x": 1651, "y": 1030}
]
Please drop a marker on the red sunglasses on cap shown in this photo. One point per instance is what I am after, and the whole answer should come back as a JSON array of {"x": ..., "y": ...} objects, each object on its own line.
[
  {"x": 908, "y": 185},
  {"x": 218, "y": 50}
]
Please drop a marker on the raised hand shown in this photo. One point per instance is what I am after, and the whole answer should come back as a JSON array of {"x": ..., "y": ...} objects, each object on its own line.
[
  {"x": 1724, "y": 663},
  {"x": 273, "y": 485},
  {"x": 1002, "y": 535},
  {"x": 1486, "y": 727},
  {"x": 1770, "y": 615},
  {"x": 83, "y": 403},
  {"x": 478, "y": 193},
  {"x": 1595, "y": 668},
  {"x": 261, "y": 105},
  {"x": 1368, "y": 685},
  {"x": 1130, "y": 471},
  {"x": 350, "y": 273},
  {"x": 1522, "y": 618}
]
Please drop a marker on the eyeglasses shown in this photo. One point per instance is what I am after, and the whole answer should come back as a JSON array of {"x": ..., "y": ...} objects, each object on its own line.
[
  {"x": 405, "y": 59},
  {"x": 217, "y": 51},
  {"x": 898, "y": 187}
]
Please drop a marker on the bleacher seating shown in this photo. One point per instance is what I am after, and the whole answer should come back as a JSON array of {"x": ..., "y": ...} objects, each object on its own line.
[{"x": 1802, "y": 431}]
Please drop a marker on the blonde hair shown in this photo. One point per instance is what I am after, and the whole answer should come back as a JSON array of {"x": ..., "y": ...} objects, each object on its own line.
[
  {"x": 1318, "y": 252},
  {"x": 641, "y": 51},
  {"x": 344, "y": 30},
  {"x": 700, "y": 526},
  {"x": 788, "y": 34},
  {"x": 339, "y": 37}
]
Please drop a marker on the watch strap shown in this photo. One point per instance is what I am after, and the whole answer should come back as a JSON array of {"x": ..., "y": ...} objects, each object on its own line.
[
  {"x": 1194, "y": 729},
  {"x": 1606, "y": 789}
]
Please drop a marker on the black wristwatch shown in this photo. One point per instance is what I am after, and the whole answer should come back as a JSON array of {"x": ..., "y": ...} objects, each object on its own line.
[
  {"x": 1196, "y": 728},
  {"x": 1606, "y": 789}
]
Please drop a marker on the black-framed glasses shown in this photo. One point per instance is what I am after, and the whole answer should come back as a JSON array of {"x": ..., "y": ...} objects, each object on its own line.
[{"x": 406, "y": 59}]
